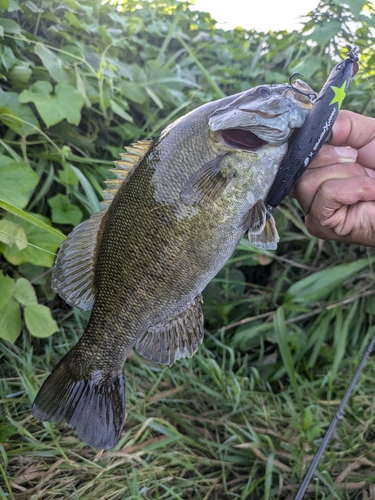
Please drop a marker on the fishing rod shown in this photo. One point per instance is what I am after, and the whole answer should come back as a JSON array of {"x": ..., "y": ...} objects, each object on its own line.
[{"x": 339, "y": 415}]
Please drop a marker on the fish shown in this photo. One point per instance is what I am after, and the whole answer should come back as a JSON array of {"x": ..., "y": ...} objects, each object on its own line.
[{"x": 172, "y": 217}]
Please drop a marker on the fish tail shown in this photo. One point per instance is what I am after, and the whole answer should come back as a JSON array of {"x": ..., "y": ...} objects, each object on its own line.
[{"x": 94, "y": 405}]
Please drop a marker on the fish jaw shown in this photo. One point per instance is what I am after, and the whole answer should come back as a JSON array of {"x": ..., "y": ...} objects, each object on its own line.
[{"x": 271, "y": 113}]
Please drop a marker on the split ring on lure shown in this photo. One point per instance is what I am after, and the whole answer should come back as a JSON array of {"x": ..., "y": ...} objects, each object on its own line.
[{"x": 316, "y": 128}]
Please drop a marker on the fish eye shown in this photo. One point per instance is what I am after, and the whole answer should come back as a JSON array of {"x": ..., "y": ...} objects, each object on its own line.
[{"x": 263, "y": 91}]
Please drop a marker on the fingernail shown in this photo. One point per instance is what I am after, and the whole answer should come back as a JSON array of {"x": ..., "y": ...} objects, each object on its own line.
[
  {"x": 370, "y": 172},
  {"x": 346, "y": 154}
]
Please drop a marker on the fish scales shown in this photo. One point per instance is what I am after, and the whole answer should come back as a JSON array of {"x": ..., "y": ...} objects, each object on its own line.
[{"x": 175, "y": 220}]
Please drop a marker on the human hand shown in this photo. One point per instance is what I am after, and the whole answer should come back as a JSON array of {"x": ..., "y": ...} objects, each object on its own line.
[{"x": 337, "y": 191}]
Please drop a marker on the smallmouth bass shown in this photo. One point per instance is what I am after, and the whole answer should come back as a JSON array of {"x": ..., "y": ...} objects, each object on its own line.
[{"x": 180, "y": 206}]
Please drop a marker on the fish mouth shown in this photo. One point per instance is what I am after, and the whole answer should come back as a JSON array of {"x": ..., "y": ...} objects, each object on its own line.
[{"x": 242, "y": 139}]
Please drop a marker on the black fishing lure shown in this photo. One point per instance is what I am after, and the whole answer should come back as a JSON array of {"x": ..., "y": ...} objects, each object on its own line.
[{"x": 316, "y": 128}]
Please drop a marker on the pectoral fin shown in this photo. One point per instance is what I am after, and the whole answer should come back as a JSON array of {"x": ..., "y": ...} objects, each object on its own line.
[
  {"x": 256, "y": 218},
  {"x": 178, "y": 338},
  {"x": 268, "y": 238},
  {"x": 207, "y": 183}
]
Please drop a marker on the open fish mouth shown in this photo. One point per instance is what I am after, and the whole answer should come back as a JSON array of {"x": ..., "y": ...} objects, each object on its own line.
[{"x": 242, "y": 139}]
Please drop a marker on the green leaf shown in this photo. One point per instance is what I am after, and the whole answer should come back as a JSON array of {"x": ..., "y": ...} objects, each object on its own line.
[
  {"x": 18, "y": 117},
  {"x": 4, "y": 4},
  {"x": 16, "y": 181},
  {"x": 12, "y": 234},
  {"x": 38, "y": 240},
  {"x": 10, "y": 321},
  {"x": 31, "y": 219},
  {"x": 7, "y": 57},
  {"x": 10, "y": 26},
  {"x": 63, "y": 210},
  {"x": 67, "y": 176},
  {"x": 20, "y": 73},
  {"x": 6, "y": 431},
  {"x": 324, "y": 32},
  {"x": 66, "y": 103},
  {"x": 355, "y": 6},
  {"x": 24, "y": 292},
  {"x": 308, "y": 419},
  {"x": 53, "y": 64},
  {"x": 307, "y": 66},
  {"x": 39, "y": 321},
  {"x": 6, "y": 289},
  {"x": 119, "y": 110}
]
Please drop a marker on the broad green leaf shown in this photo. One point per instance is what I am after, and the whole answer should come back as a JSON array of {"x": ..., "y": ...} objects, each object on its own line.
[
  {"x": 133, "y": 92},
  {"x": 4, "y": 4},
  {"x": 20, "y": 73},
  {"x": 39, "y": 321},
  {"x": 318, "y": 286},
  {"x": 10, "y": 26},
  {"x": 30, "y": 219},
  {"x": 63, "y": 210},
  {"x": 18, "y": 117},
  {"x": 10, "y": 321},
  {"x": 16, "y": 181},
  {"x": 355, "y": 6},
  {"x": 7, "y": 57},
  {"x": 6, "y": 289},
  {"x": 67, "y": 176},
  {"x": 307, "y": 66},
  {"x": 24, "y": 292},
  {"x": 53, "y": 64},
  {"x": 39, "y": 238},
  {"x": 66, "y": 102},
  {"x": 12, "y": 234},
  {"x": 324, "y": 32}
]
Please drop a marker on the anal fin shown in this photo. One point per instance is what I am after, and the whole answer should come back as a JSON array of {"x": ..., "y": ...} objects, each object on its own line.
[{"x": 180, "y": 337}]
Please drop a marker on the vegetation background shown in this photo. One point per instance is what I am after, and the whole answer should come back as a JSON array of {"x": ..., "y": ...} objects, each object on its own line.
[{"x": 79, "y": 80}]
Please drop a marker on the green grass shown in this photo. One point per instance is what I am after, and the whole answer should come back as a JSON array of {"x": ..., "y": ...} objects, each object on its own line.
[{"x": 240, "y": 420}]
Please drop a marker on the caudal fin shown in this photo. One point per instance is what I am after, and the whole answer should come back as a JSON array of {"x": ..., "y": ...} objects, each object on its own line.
[{"x": 94, "y": 406}]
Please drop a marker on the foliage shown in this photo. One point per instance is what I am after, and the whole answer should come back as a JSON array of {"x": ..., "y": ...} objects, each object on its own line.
[{"x": 78, "y": 82}]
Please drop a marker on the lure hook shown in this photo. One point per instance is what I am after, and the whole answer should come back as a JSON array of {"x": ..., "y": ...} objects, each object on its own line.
[{"x": 310, "y": 95}]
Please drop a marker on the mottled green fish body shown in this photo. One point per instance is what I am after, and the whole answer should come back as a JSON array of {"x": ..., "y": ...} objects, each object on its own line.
[{"x": 180, "y": 206}]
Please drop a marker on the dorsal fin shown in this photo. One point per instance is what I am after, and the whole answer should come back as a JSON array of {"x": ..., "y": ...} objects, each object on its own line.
[
  {"x": 74, "y": 270},
  {"x": 73, "y": 273},
  {"x": 129, "y": 161}
]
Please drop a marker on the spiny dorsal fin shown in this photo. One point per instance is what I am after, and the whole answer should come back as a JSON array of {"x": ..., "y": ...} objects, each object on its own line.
[
  {"x": 268, "y": 238},
  {"x": 178, "y": 338},
  {"x": 129, "y": 161},
  {"x": 74, "y": 269}
]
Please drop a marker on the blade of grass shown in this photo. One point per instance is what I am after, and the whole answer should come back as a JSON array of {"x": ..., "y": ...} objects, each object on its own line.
[
  {"x": 26, "y": 242},
  {"x": 282, "y": 340},
  {"x": 30, "y": 218}
]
